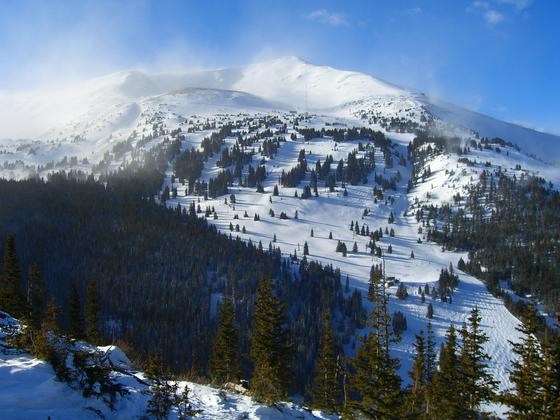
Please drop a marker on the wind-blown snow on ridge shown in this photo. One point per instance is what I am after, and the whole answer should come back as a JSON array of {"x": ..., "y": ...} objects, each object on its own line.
[{"x": 286, "y": 82}]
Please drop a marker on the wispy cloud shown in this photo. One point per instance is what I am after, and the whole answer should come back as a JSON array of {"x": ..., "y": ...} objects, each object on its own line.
[
  {"x": 328, "y": 17},
  {"x": 475, "y": 102},
  {"x": 493, "y": 17},
  {"x": 415, "y": 11},
  {"x": 496, "y": 11},
  {"x": 519, "y": 5}
]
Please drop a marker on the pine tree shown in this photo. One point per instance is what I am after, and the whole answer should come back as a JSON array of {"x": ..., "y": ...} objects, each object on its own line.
[
  {"x": 91, "y": 313},
  {"x": 326, "y": 383},
  {"x": 162, "y": 393},
  {"x": 415, "y": 405},
  {"x": 305, "y": 249},
  {"x": 430, "y": 311},
  {"x": 551, "y": 374},
  {"x": 11, "y": 297},
  {"x": 447, "y": 405},
  {"x": 431, "y": 363},
  {"x": 402, "y": 292},
  {"x": 185, "y": 409},
  {"x": 270, "y": 347},
  {"x": 50, "y": 322},
  {"x": 477, "y": 383},
  {"x": 224, "y": 360},
  {"x": 531, "y": 374},
  {"x": 76, "y": 322},
  {"x": 374, "y": 380},
  {"x": 35, "y": 297}
]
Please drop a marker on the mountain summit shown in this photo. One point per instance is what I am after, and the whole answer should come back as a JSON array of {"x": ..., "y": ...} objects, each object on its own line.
[{"x": 288, "y": 83}]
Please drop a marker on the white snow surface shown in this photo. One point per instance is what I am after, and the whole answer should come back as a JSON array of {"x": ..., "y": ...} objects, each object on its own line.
[
  {"x": 30, "y": 390},
  {"x": 59, "y": 114}
]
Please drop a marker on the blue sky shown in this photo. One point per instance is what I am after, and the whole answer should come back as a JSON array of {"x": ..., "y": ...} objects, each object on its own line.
[{"x": 501, "y": 57}]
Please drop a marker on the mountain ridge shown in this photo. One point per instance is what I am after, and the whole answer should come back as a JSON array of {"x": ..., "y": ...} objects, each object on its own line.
[{"x": 284, "y": 83}]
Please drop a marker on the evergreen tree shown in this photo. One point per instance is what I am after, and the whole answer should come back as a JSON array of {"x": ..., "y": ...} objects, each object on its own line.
[
  {"x": 415, "y": 406},
  {"x": 534, "y": 394},
  {"x": 162, "y": 393},
  {"x": 224, "y": 361},
  {"x": 430, "y": 311},
  {"x": 184, "y": 407},
  {"x": 91, "y": 313},
  {"x": 305, "y": 249},
  {"x": 477, "y": 383},
  {"x": 402, "y": 292},
  {"x": 76, "y": 323},
  {"x": 270, "y": 347},
  {"x": 50, "y": 322},
  {"x": 447, "y": 405},
  {"x": 374, "y": 379},
  {"x": 35, "y": 297},
  {"x": 11, "y": 298},
  {"x": 326, "y": 383},
  {"x": 551, "y": 375},
  {"x": 431, "y": 363}
]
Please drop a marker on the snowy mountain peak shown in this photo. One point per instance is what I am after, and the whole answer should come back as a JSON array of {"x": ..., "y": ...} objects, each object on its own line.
[{"x": 280, "y": 83}]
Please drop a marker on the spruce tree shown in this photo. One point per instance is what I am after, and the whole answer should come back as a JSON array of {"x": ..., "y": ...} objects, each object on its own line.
[
  {"x": 35, "y": 297},
  {"x": 551, "y": 374},
  {"x": 50, "y": 322},
  {"x": 270, "y": 347},
  {"x": 11, "y": 297},
  {"x": 415, "y": 404},
  {"x": 224, "y": 360},
  {"x": 476, "y": 382},
  {"x": 532, "y": 372},
  {"x": 374, "y": 379},
  {"x": 91, "y": 313},
  {"x": 447, "y": 405},
  {"x": 162, "y": 393},
  {"x": 76, "y": 323},
  {"x": 431, "y": 363},
  {"x": 430, "y": 311},
  {"x": 326, "y": 384}
]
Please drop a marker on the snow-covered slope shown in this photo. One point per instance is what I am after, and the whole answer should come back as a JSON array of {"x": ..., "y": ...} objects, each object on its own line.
[
  {"x": 59, "y": 115},
  {"x": 30, "y": 390},
  {"x": 543, "y": 145}
]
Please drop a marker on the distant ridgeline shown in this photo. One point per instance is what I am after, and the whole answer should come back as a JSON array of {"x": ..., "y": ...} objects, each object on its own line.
[{"x": 509, "y": 224}]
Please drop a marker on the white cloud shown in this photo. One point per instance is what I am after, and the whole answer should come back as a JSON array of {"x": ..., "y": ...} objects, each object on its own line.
[
  {"x": 329, "y": 18},
  {"x": 475, "y": 102},
  {"x": 519, "y": 5},
  {"x": 501, "y": 108},
  {"x": 493, "y": 17},
  {"x": 478, "y": 5},
  {"x": 415, "y": 11},
  {"x": 487, "y": 9}
]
